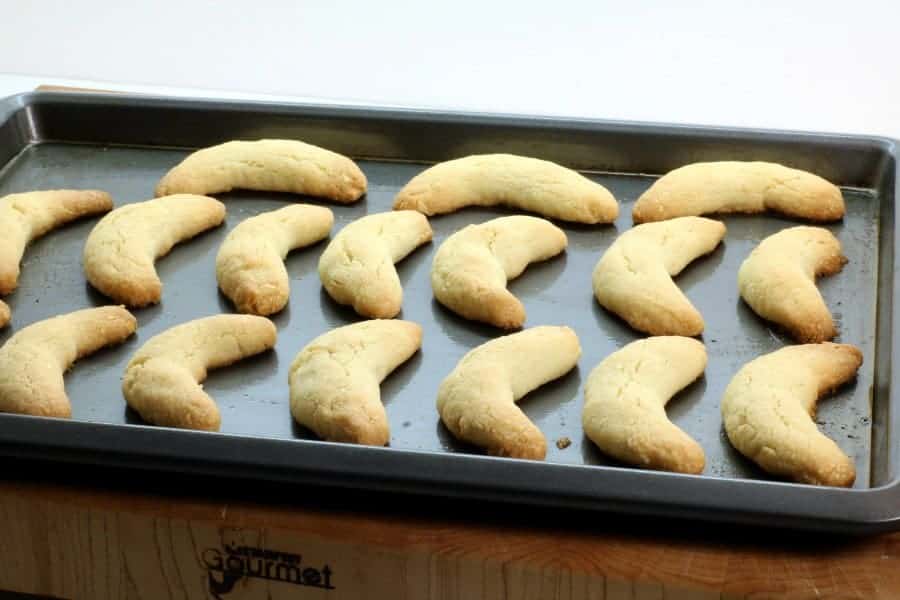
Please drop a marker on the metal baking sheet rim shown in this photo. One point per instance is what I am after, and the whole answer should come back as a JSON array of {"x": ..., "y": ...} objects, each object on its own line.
[{"x": 770, "y": 503}]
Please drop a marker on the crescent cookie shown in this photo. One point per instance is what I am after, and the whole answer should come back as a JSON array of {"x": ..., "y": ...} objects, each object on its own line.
[
  {"x": 477, "y": 401},
  {"x": 768, "y": 410},
  {"x": 334, "y": 381},
  {"x": 778, "y": 280},
  {"x": 357, "y": 267},
  {"x": 27, "y": 216},
  {"x": 518, "y": 182},
  {"x": 250, "y": 262},
  {"x": 121, "y": 250},
  {"x": 739, "y": 187},
  {"x": 634, "y": 277},
  {"x": 471, "y": 268},
  {"x": 625, "y": 399},
  {"x": 34, "y": 359},
  {"x": 267, "y": 165},
  {"x": 162, "y": 380}
]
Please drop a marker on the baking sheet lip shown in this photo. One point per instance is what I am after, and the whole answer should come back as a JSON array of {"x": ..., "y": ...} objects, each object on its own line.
[
  {"x": 387, "y": 450},
  {"x": 10, "y": 105},
  {"x": 840, "y": 525},
  {"x": 600, "y": 172},
  {"x": 17, "y": 423},
  {"x": 856, "y": 518},
  {"x": 363, "y": 158},
  {"x": 23, "y": 100},
  {"x": 34, "y": 143}
]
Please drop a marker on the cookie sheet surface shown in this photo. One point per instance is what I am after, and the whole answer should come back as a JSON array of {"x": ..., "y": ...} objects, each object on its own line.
[{"x": 253, "y": 395}]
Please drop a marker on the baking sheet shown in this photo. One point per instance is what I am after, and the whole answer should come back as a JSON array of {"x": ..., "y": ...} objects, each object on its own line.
[
  {"x": 253, "y": 395},
  {"x": 258, "y": 437}
]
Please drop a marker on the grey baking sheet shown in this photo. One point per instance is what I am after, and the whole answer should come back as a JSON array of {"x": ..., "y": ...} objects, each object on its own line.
[
  {"x": 125, "y": 143},
  {"x": 253, "y": 395}
]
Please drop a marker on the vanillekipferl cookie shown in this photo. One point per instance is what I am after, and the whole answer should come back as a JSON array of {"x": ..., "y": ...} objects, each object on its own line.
[
  {"x": 27, "y": 216},
  {"x": 335, "y": 380},
  {"x": 518, "y": 182},
  {"x": 739, "y": 187},
  {"x": 162, "y": 380},
  {"x": 471, "y": 268},
  {"x": 633, "y": 278},
  {"x": 250, "y": 263},
  {"x": 625, "y": 399},
  {"x": 267, "y": 165},
  {"x": 778, "y": 280},
  {"x": 357, "y": 267},
  {"x": 120, "y": 253},
  {"x": 477, "y": 400},
  {"x": 34, "y": 359},
  {"x": 769, "y": 406}
]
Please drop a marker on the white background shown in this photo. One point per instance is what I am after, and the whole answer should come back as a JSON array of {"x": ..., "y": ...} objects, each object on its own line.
[{"x": 809, "y": 65}]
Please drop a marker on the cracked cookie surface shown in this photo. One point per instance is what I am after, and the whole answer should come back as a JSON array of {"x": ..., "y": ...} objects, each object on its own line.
[
  {"x": 471, "y": 268},
  {"x": 267, "y": 165},
  {"x": 33, "y": 360},
  {"x": 634, "y": 276},
  {"x": 769, "y": 406},
  {"x": 162, "y": 380},
  {"x": 778, "y": 280},
  {"x": 625, "y": 399},
  {"x": 518, "y": 182},
  {"x": 739, "y": 187},
  {"x": 27, "y": 216},
  {"x": 120, "y": 252},
  {"x": 250, "y": 263},
  {"x": 477, "y": 400},
  {"x": 335, "y": 380},
  {"x": 357, "y": 267}
]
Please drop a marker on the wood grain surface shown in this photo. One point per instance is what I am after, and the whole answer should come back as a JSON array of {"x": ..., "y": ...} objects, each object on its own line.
[{"x": 96, "y": 540}]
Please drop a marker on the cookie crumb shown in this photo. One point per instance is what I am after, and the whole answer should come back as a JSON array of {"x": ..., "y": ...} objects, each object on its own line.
[{"x": 563, "y": 443}]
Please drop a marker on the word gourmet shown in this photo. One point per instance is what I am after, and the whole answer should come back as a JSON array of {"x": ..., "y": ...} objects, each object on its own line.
[{"x": 233, "y": 563}]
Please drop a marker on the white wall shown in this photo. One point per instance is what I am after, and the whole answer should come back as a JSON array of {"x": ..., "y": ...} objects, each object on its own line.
[{"x": 802, "y": 65}]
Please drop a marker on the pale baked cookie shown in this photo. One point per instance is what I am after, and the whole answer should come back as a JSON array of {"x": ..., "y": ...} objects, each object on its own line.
[
  {"x": 769, "y": 406},
  {"x": 634, "y": 277},
  {"x": 518, "y": 182},
  {"x": 471, "y": 268},
  {"x": 778, "y": 280},
  {"x": 335, "y": 379},
  {"x": 27, "y": 216},
  {"x": 121, "y": 250},
  {"x": 625, "y": 399},
  {"x": 250, "y": 263},
  {"x": 477, "y": 401},
  {"x": 267, "y": 165},
  {"x": 34, "y": 359},
  {"x": 739, "y": 187},
  {"x": 4, "y": 314},
  {"x": 357, "y": 267},
  {"x": 162, "y": 380}
]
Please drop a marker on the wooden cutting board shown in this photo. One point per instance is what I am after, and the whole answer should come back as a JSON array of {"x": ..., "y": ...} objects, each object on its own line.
[{"x": 93, "y": 541}]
